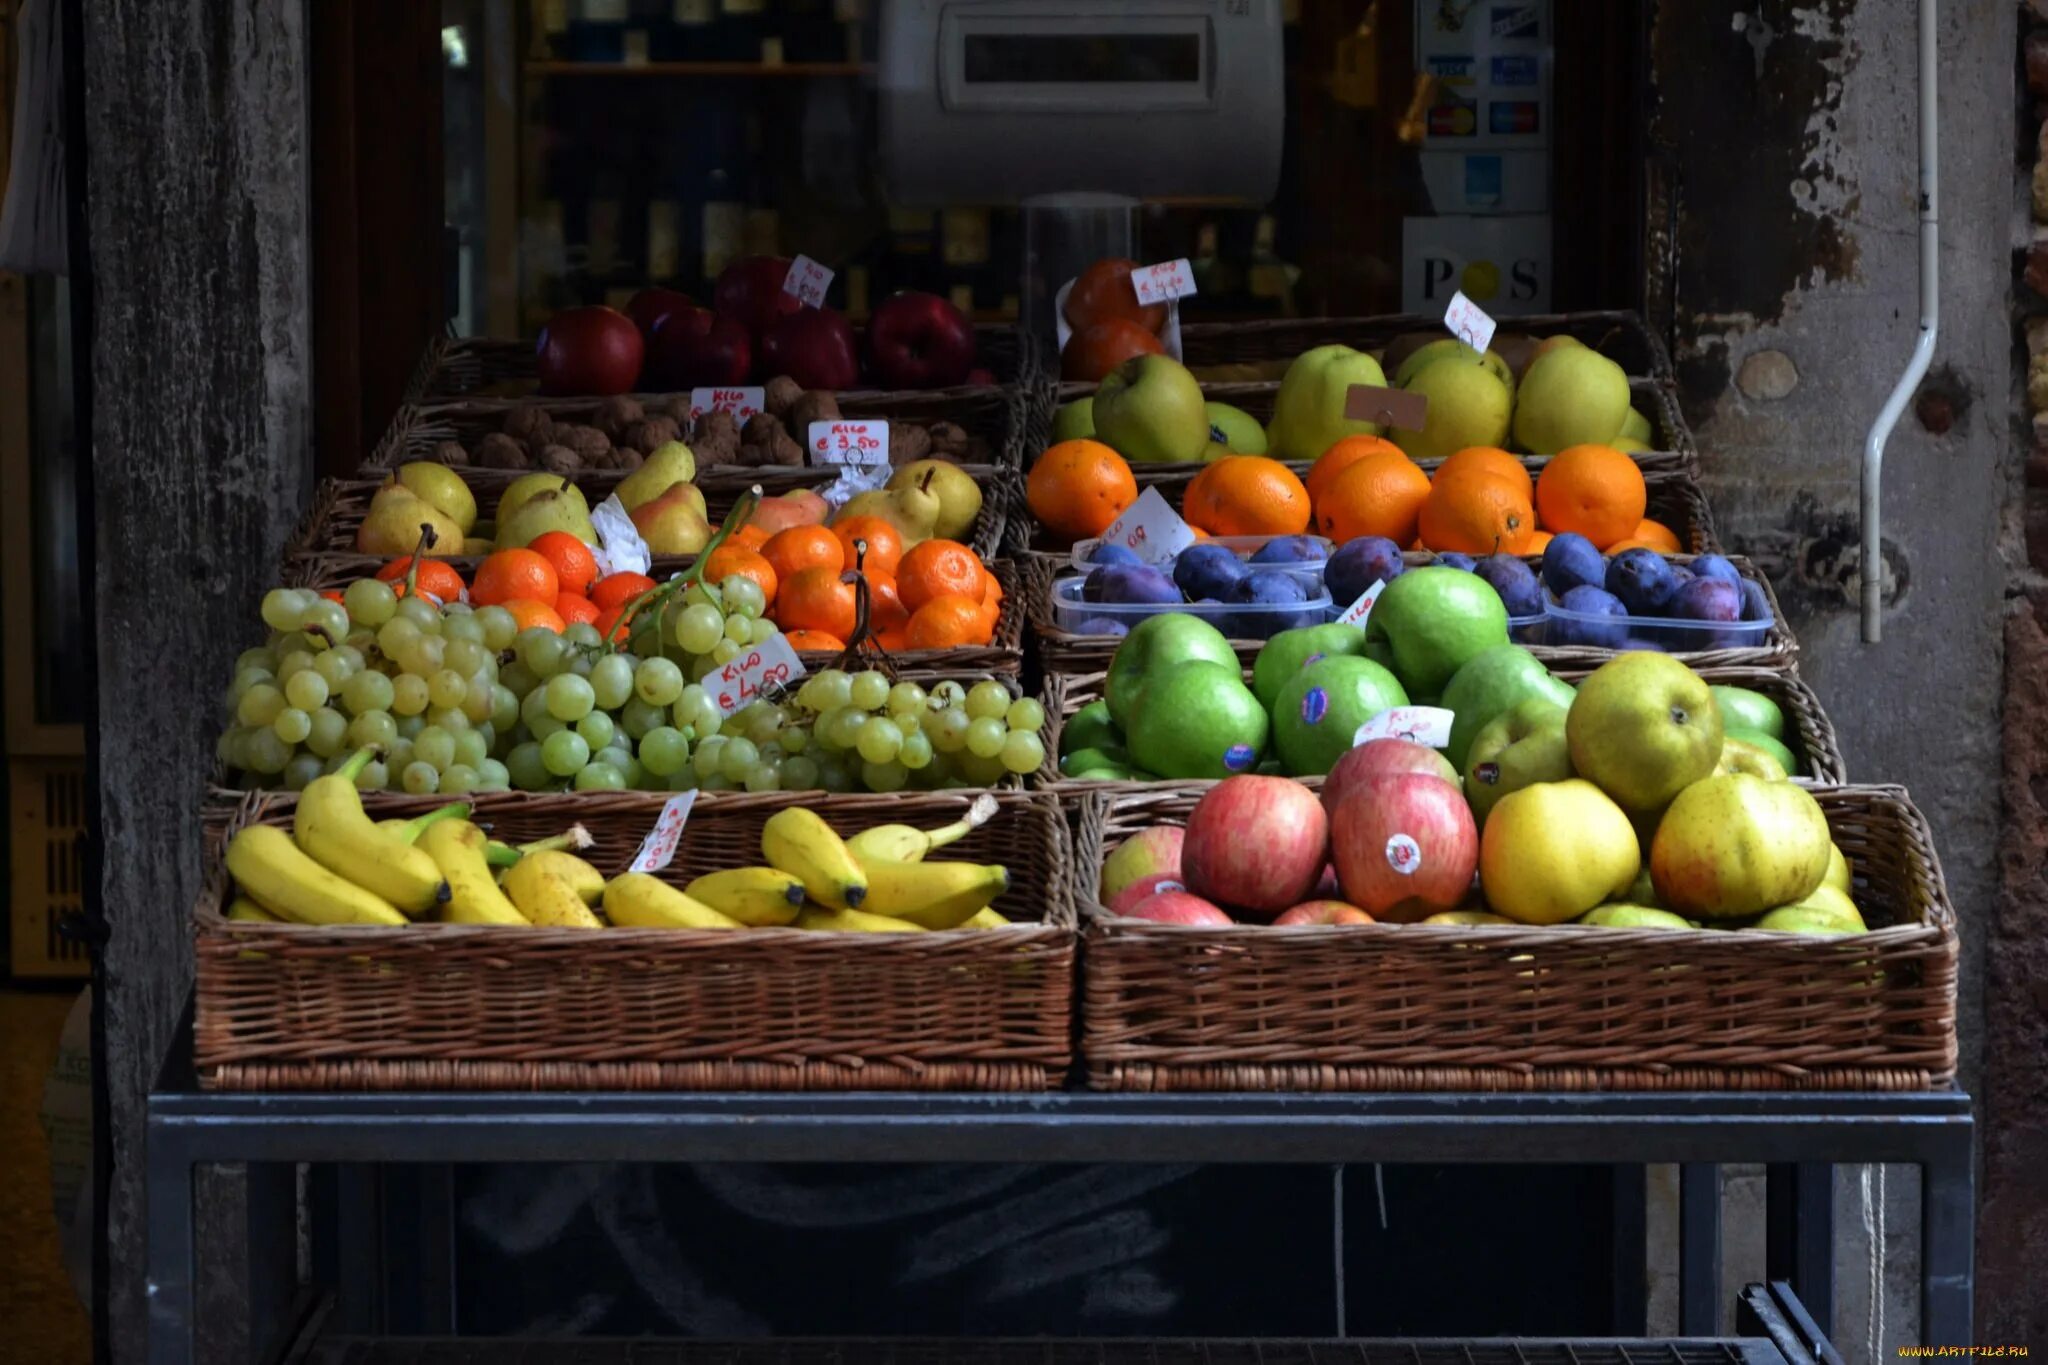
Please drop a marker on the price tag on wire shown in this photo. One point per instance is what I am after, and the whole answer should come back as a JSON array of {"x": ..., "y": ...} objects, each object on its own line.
[
  {"x": 754, "y": 670},
  {"x": 619, "y": 547},
  {"x": 659, "y": 847},
  {"x": 1360, "y": 611},
  {"x": 848, "y": 442},
  {"x": 1150, "y": 529},
  {"x": 741, "y": 403},
  {"x": 1163, "y": 283},
  {"x": 1468, "y": 322},
  {"x": 808, "y": 281},
  {"x": 1388, "y": 407},
  {"x": 1429, "y": 725}
]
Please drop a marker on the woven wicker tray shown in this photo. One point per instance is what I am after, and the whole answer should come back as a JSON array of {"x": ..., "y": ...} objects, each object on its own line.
[
  {"x": 1427, "y": 1007},
  {"x": 440, "y": 1007}
]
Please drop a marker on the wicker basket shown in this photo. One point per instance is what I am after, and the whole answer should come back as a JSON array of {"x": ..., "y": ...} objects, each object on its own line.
[
  {"x": 1428, "y": 1007},
  {"x": 459, "y": 367},
  {"x": 466, "y": 1007},
  {"x": 1811, "y": 735}
]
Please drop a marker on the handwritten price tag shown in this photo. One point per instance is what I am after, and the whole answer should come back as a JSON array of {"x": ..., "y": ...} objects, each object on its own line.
[
  {"x": 620, "y": 548},
  {"x": 1429, "y": 725},
  {"x": 1358, "y": 612},
  {"x": 1388, "y": 407},
  {"x": 1468, "y": 322},
  {"x": 843, "y": 442},
  {"x": 1150, "y": 529},
  {"x": 659, "y": 846},
  {"x": 756, "y": 669},
  {"x": 808, "y": 281},
  {"x": 1163, "y": 283},
  {"x": 741, "y": 403}
]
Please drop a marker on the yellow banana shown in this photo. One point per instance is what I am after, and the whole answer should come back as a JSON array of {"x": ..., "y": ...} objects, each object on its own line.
[
  {"x": 986, "y": 919},
  {"x": 634, "y": 900},
  {"x": 934, "y": 895},
  {"x": 267, "y": 865},
  {"x": 332, "y": 830},
  {"x": 909, "y": 844},
  {"x": 457, "y": 848},
  {"x": 409, "y": 831},
  {"x": 550, "y": 894},
  {"x": 800, "y": 843},
  {"x": 751, "y": 895},
  {"x": 853, "y": 921},
  {"x": 246, "y": 911}
]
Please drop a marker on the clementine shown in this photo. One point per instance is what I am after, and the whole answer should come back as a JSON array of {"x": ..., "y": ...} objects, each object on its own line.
[
  {"x": 947, "y": 621},
  {"x": 1478, "y": 514},
  {"x": 575, "y": 566},
  {"x": 1657, "y": 536},
  {"x": 729, "y": 559},
  {"x": 1595, "y": 490},
  {"x": 884, "y": 543},
  {"x": 801, "y": 547},
  {"x": 573, "y": 607},
  {"x": 1379, "y": 494},
  {"x": 515, "y": 575},
  {"x": 437, "y": 578},
  {"x": 813, "y": 639},
  {"x": 617, "y": 589},
  {"x": 815, "y": 599},
  {"x": 1247, "y": 495},
  {"x": 1340, "y": 457},
  {"x": 1077, "y": 488},
  {"x": 528, "y": 613},
  {"x": 936, "y": 568}
]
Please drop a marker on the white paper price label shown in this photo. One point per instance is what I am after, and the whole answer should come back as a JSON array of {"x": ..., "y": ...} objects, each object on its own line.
[
  {"x": 1360, "y": 611},
  {"x": 846, "y": 442},
  {"x": 659, "y": 847},
  {"x": 754, "y": 670},
  {"x": 808, "y": 281},
  {"x": 1150, "y": 529},
  {"x": 619, "y": 547},
  {"x": 1429, "y": 725},
  {"x": 1468, "y": 322},
  {"x": 1164, "y": 282},
  {"x": 741, "y": 403}
]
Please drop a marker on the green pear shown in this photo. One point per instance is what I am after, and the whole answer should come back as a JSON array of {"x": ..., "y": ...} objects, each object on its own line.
[
  {"x": 1740, "y": 756},
  {"x": 958, "y": 494},
  {"x": 1519, "y": 748},
  {"x": 912, "y": 509},
  {"x": 1571, "y": 396},
  {"x": 1837, "y": 874},
  {"x": 1552, "y": 851},
  {"x": 1643, "y": 728},
  {"x": 444, "y": 488},
  {"x": 392, "y": 525},
  {"x": 1829, "y": 903},
  {"x": 526, "y": 485},
  {"x": 1308, "y": 411},
  {"x": 1074, "y": 421},
  {"x": 1743, "y": 709},
  {"x": 1214, "y": 451},
  {"x": 1636, "y": 427},
  {"x": 1433, "y": 621},
  {"x": 1734, "y": 845},
  {"x": 674, "y": 522},
  {"x": 1490, "y": 684},
  {"x": 547, "y": 510},
  {"x": 1150, "y": 411},
  {"x": 1154, "y": 645},
  {"x": 1778, "y": 753},
  {"x": 1236, "y": 429},
  {"x": 1622, "y": 915},
  {"x": 1450, "y": 348},
  {"x": 1469, "y": 405},
  {"x": 671, "y": 463},
  {"x": 1199, "y": 720},
  {"x": 1288, "y": 652}
]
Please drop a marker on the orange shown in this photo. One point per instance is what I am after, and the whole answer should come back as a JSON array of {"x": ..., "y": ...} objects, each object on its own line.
[
  {"x": 1077, "y": 488},
  {"x": 607, "y": 623},
  {"x": 729, "y": 559},
  {"x": 438, "y": 578},
  {"x": 751, "y": 536},
  {"x": 1632, "y": 543},
  {"x": 575, "y": 566},
  {"x": 813, "y": 639},
  {"x": 1379, "y": 494},
  {"x": 801, "y": 547},
  {"x": 515, "y": 575},
  {"x": 897, "y": 639},
  {"x": 1341, "y": 457},
  {"x": 574, "y": 607},
  {"x": 1247, "y": 495},
  {"x": 1595, "y": 490},
  {"x": 1490, "y": 460},
  {"x": 885, "y": 543},
  {"x": 530, "y": 613},
  {"x": 1479, "y": 514},
  {"x": 991, "y": 588},
  {"x": 815, "y": 599},
  {"x": 936, "y": 568},
  {"x": 615, "y": 590},
  {"x": 1535, "y": 543},
  {"x": 885, "y": 603},
  {"x": 1657, "y": 536},
  {"x": 947, "y": 620},
  {"x": 334, "y": 596}
]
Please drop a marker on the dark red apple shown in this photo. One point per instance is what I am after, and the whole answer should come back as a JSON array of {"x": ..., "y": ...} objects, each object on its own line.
[
  {"x": 1177, "y": 907},
  {"x": 981, "y": 377},
  {"x": 1405, "y": 846},
  {"x": 749, "y": 291},
  {"x": 815, "y": 348},
  {"x": 1257, "y": 844},
  {"x": 594, "y": 351},
  {"x": 919, "y": 341},
  {"x": 694, "y": 347},
  {"x": 1383, "y": 756},
  {"x": 1324, "y": 912},
  {"x": 648, "y": 307},
  {"x": 1122, "y": 901}
]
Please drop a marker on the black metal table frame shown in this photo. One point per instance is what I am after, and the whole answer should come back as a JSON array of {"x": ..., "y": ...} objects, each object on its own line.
[{"x": 1800, "y": 1137}]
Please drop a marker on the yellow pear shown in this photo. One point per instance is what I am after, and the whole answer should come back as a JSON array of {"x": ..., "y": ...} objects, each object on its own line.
[
  {"x": 671, "y": 464},
  {"x": 392, "y": 525},
  {"x": 1837, "y": 874},
  {"x": 547, "y": 510},
  {"x": 674, "y": 523},
  {"x": 958, "y": 494},
  {"x": 444, "y": 488},
  {"x": 526, "y": 485},
  {"x": 913, "y": 510}
]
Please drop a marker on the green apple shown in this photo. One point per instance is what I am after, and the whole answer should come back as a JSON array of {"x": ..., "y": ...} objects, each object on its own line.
[
  {"x": 1450, "y": 348},
  {"x": 1623, "y": 915},
  {"x": 1762, "y": 743},
  {"x": 1090, "y": 728},
  {"x": 1493, "y": 682},
  {"x": 1826, "y": 901},
  {"x": 1518, "y": 748},
  {"x": 1643, "y": 728},
  {"x": 1074, "y": 421},
  {"x": 1150, "y": 410},
  {"x": 1742, "y": 709},
  {"x": 1733, "y": 845},
  {"x": 1318, "y": 710},
  {"x": 1740, "y": 756},
  {"x": 1087, "y": 760},
  {"x": 1469, "y": 405},
  {"x": 1287, "y": 653},
  {"x": 1434, "y": 621},
  {"x": 1636, "y": 427},
  {"x": 1235, "y": 429},
  {"x": 1837, "y": 874},
  {"x": 1308, "y": 412},
  {"x": 1155, "y": 644},
  {"x": 1198, "y": 719},
  {"x": 1570, "y": 396},
  {"x": 1551, "y": 852}
]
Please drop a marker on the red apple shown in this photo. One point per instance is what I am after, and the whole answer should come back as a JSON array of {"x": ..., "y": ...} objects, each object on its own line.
[
  {"x": 1406, "y": 846},
  {"x": 1324, "y": 912},
  {"x": 1177, "y": 907},
  {"x": 815, "y": 348},
  {"x": 648, "y": 307},
  {"x": 749, "y": 291},
  {"x": 694, "y": 347},
  {"x": 1257, "y": 844},
  {"x": 1383, "y": 756},
  {"x": 593, "y": 351},
  {"x": 981, "y": 377},
  {"x": 1327, "y": 887},
  {"x": 1122, "y": 901},
  {"x": 919, "y": 341},
  {"x": 1149, "y": 852}
]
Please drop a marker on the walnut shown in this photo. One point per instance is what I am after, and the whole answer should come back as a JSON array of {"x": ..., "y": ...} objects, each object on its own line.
[
  {"x": 592, "y": 444},
  {"x": 780, "y": 394},
  {"x": 614, "y": 415},
  {"x": 526, "y": 421},
  {"x": 819, "y": 405},
  {"x": 762, "y": 428},
  {"x": 561, "y": 460},
  {"x": 651, "y": 434},
  {"x": 714, "y": 425},
  {"x": 677, "y": 407},
  {"x": 908, "y": 443},
  {"x": 950, "y": 441},
  {"x": 717, "y": 445},
  {"x": 784, "y": 449},
  {"x": 627, "y": 458},
  {"x": 499, "y": 451},
  {"x": 450, "y": 453}
]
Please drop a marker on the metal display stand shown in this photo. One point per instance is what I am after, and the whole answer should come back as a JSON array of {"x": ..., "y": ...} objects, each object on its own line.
[{"x": 1798, "y": 1135}]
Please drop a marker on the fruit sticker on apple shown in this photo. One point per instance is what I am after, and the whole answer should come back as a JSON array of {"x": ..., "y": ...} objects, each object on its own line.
[
  {"x": 1467, "y": 320},
  {"x": 1150, "y": 529},
  {"x": 742, "y": 403},
  {"x": 1359, "y": 612},
  {"x": 659, "y": 847},
  {"x": 1163, "y": 283},
  {"x": 771, "y": 664},
  {"x": 1429, "y": 725},
  {"x": 808, "y": 281}
]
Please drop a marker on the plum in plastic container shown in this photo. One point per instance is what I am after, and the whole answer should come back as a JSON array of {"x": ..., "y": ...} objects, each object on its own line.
[
  {"x": 1309, "y": 565},
  {"x": 1566, "y": 628},
  {"x": 1073, "y": 613}
]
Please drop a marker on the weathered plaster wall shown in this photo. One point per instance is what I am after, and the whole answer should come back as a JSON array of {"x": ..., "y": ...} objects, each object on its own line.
[{"x": 1794, "y": 308}]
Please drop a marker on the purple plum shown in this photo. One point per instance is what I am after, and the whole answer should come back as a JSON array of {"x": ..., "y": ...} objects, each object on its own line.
[
  {"x": 1137, "y": 583},
  {"x": 1207, "y": 570},
  {"x": 1755, "y": 606},
  {"x": 1360, "y": 563},
  {"x": 1570, "y": 561},
  {"x": 1107, "y": 553},
  {"x": 1589, "y": 604},
  {"x": 1520, "y": 591},
  {"x": 1714, "y": 566},
  {"x": 1451, "y": 559},
  {"x": 1642, "y": 580},
  {"x": 1708, "y": 599},
  {"x": 1101, "y": 625},
  {"x": 1288, "y": 550},
  {"x": 1267, "y": 586}
]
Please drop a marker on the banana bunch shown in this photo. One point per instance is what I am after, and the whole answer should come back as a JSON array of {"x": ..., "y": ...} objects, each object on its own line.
[{"x": 878, "y": 881}]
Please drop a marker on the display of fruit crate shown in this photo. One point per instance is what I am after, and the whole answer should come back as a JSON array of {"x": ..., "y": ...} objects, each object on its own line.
[
  {"x": 1444, "y": 1008},
  {"x": 460, "y": 367},
  {"x": 1619, "y": 335},
  {"x": 475, "y": 1007}
]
